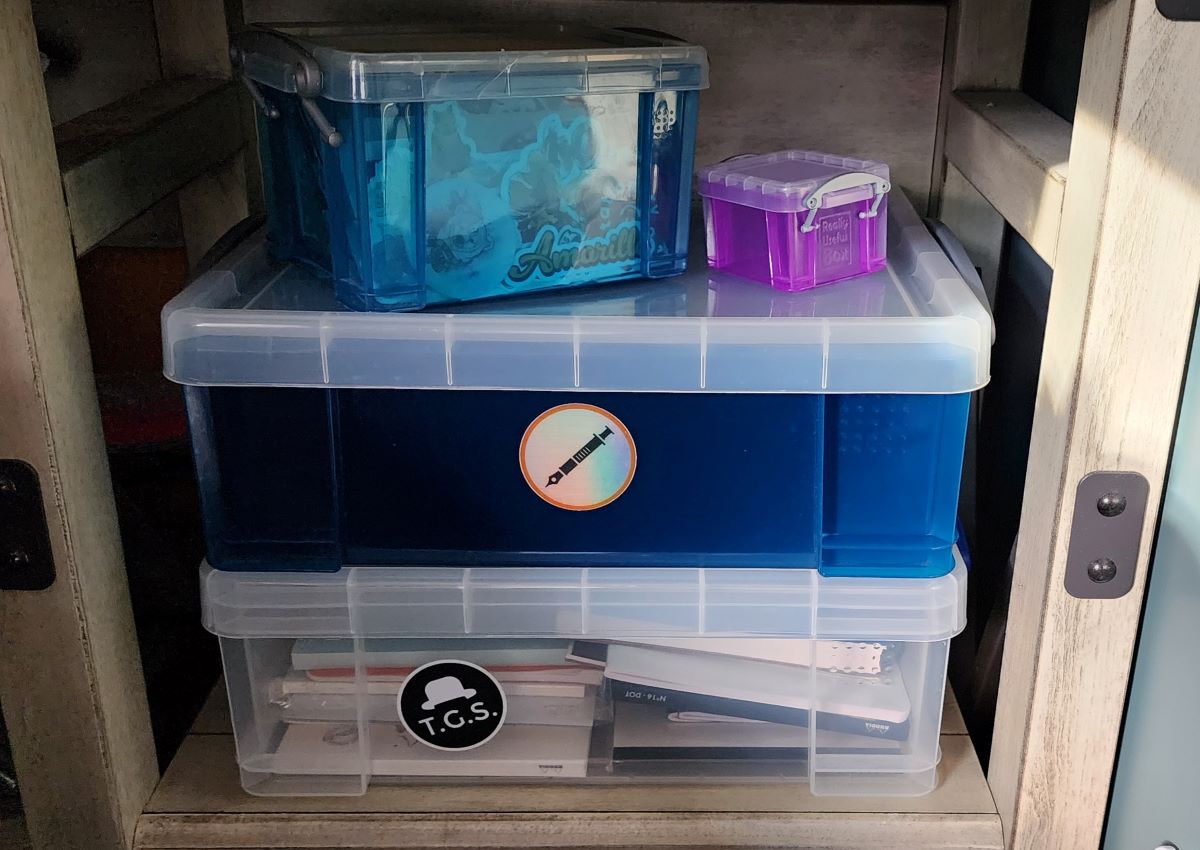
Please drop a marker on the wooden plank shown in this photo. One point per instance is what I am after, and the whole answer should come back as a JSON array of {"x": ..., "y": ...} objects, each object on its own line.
[
  {"x": 818, "y": 831},
  {"x": 120, "y": 160},
  {"x": 203, "y": 779},
  {"x": 94, "y": 58},
  {"x": 200, "y": 804},
  {"x": 70, "y": 676},
  {"x": 211, "y": 204},
  {"x": 881, "y": 64},
  {"x": 13, "y": 835},
  {"x": 193, "y": 39},
  {"x": 952, "y": 719},
  {"x": 985, "y": 49},
  {"x": 1118, "y": 329},
  {"x": 1014, "y": 152},
  {"x": 989, "y": 49},
  {"x": 213, "y": 718},
  {"x": 977, "y": 225}
]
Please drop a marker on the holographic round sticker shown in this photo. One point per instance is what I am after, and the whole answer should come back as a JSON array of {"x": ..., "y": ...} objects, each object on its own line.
[{"x": 578, "y": 457}]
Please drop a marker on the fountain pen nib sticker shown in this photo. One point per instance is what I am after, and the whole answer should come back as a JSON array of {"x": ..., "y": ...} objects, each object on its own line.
[{"x": 578, "y": 457}]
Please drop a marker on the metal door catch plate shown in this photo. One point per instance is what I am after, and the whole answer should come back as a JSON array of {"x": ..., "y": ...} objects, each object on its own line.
[
  {"x": 1106, "y": 531},
  {"x": 26, "y": 562}
]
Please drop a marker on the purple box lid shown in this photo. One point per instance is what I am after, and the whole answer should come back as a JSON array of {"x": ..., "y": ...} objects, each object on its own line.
[{"x": 782, "y": 182}]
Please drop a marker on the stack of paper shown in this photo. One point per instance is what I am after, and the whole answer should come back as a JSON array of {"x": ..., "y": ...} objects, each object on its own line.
[
  {"x": 716, "y": 698},
  {"x": 542, "y": 687},
  {"x": 521, "y": 751},
  {"x": 551, "y": 706},
  {"x": 730, "y": 700}
]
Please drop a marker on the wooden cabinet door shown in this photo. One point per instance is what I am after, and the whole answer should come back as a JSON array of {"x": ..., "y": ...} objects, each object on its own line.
[{"x": 70, "y": 678}]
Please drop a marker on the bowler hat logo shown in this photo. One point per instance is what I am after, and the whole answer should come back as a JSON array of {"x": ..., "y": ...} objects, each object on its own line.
[
  {"x": 451, "y": 705},
  {"x": 443, "y": 690}
]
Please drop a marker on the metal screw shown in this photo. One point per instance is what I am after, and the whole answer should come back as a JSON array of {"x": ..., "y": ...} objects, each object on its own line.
[
  {"x": 16, "y": 559},
  {"x": 1102, "y": 570},
  {"x": 1111, "y": 504}
]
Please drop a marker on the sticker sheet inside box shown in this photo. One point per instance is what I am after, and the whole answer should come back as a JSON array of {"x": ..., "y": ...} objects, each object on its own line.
[{"x": 796, "y": 219}]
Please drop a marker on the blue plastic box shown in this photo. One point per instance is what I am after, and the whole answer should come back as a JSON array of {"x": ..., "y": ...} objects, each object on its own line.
[
  {"x": 703, "y": 421},
  {"x": 427, "y": 167}
]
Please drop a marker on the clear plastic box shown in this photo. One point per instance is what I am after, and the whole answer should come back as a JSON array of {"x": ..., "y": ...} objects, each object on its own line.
[
  {"x": 603, "y": 676},
  {"x": 745, "y": 427},
  {"x": 425, "y": 166},
  {"x": 796, "y": 219}
]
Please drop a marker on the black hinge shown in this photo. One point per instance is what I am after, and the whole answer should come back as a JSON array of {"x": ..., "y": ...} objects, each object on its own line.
[
  {"x": 1106, "y": 533},
  {"x": 1180, "y": 10},
  {"x": 26, "y": 562}
]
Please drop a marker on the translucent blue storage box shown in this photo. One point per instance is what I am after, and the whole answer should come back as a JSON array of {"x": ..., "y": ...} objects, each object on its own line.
[
  {"x": 424, "y": 166},
  {"x": 702, "y": 421}
]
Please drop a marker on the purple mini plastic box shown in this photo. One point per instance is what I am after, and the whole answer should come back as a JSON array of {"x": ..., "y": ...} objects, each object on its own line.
[{"x": 796, "y": 219}]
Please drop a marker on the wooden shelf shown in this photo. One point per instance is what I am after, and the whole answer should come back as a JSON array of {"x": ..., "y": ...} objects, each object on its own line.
[
  {"x": 120, "y": 160},
  {"x": 199, "y": 803},
  {"x": 13, "y": 835},
  {"x": 1014, "y": 151}
]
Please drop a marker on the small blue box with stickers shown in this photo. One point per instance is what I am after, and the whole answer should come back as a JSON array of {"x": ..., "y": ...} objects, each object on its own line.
[{"x": 420, "y": 166}]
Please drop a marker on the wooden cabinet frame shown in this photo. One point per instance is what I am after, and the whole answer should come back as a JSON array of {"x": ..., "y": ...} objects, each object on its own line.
[{"x": 1118, "y": 226}]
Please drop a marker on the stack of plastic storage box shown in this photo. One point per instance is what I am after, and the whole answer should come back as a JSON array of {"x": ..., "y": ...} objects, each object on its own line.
[{"x": 689, "y": 529}]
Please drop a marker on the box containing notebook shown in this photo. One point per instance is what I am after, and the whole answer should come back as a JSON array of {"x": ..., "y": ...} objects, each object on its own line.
[{"x": 380, "y": 674}]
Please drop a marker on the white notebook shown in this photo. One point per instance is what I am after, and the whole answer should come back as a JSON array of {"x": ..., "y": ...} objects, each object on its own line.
[
  {"x": 339, "y": 653},
  {"x": 864, "y": 658},
  {"x": 517, "y": 751},
  {"x": 880, "y": 698},
  {"x": 299, "y": 699},
  {"x": 525, "y": 684}
]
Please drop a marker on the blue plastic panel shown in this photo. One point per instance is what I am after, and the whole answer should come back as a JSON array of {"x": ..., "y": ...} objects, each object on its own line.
[{"x": 317, "y": 479}]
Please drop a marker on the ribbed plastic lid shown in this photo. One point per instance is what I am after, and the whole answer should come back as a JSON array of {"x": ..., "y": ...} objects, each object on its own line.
[
  {"x": 614, "y": 603},
  {"x": 409, "y": 64},
  {"x": 917, "y": 327},
  {"x": 779, "y": 182}
]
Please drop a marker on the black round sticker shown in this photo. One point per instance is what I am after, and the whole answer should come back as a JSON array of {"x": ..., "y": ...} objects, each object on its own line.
[{"x": 451, "y": 705}]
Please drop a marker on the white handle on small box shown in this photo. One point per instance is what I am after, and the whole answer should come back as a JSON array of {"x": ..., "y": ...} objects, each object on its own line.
[{"x": 851, "y": 180}]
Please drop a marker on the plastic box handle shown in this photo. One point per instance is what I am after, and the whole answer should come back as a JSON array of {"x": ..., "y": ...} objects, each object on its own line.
[
  {"x": 840, "y": 183},
  {"x": 302, "y": 71}
]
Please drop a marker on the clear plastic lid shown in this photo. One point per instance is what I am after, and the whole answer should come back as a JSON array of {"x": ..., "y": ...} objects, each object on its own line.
[
  {"x": 385, "y": 63},
  {"x": 551, "y": 602},
  {"x": 916, "y": 327},
  {"x": 781, "y": 182}
]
